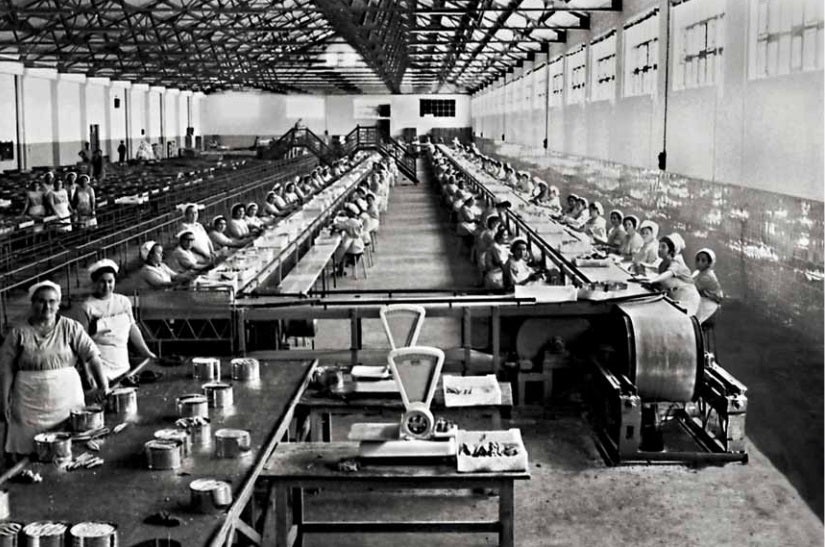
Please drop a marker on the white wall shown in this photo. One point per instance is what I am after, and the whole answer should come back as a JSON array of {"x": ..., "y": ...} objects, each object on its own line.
[
  {"x": 8, "y": 113},
  {"x": 96, "y": 107},
  {"x": 251, "y": 114},
  {"x": 37, "y": 115}
]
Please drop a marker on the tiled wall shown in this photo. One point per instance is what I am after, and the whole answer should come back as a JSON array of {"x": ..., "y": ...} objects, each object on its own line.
[{"x": 769, "y": 246}]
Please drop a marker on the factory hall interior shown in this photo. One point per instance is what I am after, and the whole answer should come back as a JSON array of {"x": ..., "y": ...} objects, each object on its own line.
[{"x": 359, "y": 273}]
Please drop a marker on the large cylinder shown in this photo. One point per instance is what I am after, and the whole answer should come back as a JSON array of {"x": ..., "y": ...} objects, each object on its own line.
[{"x": 665, "y": 351}]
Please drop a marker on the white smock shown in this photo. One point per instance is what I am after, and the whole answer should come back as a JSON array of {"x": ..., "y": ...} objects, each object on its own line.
[{"x": 109, "y": 322}]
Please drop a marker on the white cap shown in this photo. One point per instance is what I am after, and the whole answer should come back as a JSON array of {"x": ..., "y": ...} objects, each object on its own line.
[{"x": 103, "y": 263}]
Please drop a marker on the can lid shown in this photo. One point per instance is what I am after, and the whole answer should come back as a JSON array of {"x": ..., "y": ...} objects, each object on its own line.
[{"x": 92, "y": 529}]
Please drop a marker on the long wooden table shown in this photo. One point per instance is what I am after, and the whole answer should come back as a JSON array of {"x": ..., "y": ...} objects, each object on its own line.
[
  {"x": 295, "y": 467},
  {"x": 315, "y": 411},
  {"x": 124, "y": 491}
]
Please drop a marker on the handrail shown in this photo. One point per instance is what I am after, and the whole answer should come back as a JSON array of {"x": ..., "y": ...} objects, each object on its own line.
[{"x": 123, "y": 242}]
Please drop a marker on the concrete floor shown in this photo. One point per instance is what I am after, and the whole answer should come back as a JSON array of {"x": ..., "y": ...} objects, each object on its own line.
[{"x": 573, "y": 497}]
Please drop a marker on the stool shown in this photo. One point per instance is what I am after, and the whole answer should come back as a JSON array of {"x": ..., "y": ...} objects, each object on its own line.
[
  {"x": 356, "y": 259},
  {"x": 545, "y": 377}
]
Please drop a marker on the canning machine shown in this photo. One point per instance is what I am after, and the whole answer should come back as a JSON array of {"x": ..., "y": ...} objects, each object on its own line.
[{"x": 657, "y": 395}]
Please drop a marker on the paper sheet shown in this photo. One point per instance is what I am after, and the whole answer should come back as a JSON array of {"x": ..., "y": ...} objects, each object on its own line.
[
  {"x": 471, "y": 390},
  {"x": 490, "y": 451}
]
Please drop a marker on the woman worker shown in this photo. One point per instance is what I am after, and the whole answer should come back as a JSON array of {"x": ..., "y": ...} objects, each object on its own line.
[
  {"x": 155, "y": 274},
  {"x": 84, "y": 202},
  {"x": 495, "y": 259},
  {"x": 34, "y": 206},
  {"x": 516, "y": 270},
  {"x": 184, "y": 260},
  {"x": 633, "y": 241},
  {"x": 107, "y": 317},
  {"x": 648, "y": 255},
  {"x": 202, "y": 245},
  {"x": 596, "y": 227},
  {"x": 674, "y": 275},
  {"x": 58, "y": 200},
  {"x": 707, "y": 284},
  {"x": 220, "y": 240},
  {"x": 237, "y": 226},
  {"x": 40, "y": 384},
  {"x": 616, "y": 234}
]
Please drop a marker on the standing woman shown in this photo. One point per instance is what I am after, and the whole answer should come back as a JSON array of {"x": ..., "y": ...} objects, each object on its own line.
[
  {"x": 40, "y": 384},
  {"x": 83, "y": 203},
  {"x": 34, "y": 206},
  {"x": 58, "y": 200},
  {"x": 108, "y": 318}
]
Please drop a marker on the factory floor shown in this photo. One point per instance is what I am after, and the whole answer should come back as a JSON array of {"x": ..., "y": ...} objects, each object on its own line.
[{"x": 573, "y": 498}]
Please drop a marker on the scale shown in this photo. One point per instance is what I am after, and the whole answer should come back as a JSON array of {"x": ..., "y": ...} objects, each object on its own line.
[{"x": 416, "y": 371}]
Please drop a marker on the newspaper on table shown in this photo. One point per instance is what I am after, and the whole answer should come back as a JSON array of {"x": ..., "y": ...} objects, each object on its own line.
[{"x": 471, "y": 390}]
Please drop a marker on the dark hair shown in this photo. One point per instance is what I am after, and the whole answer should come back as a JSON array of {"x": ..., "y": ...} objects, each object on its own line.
[
  {"x": 96, "y": 275},
  {"x": 632, "y": 219},
  {"x": 238, "y": 206},
  {"x": 491, "y": 219},
  {"x": 671, "y": 247}
]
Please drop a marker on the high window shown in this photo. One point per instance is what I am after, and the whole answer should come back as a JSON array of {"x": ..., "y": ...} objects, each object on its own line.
[
  {"x": 786, "y": 37},
  {"x": 576, "y": 76},
  {"x": 603, "y": 66},
  {"x": 440, "y": 108},
  {"x": 555, "y": 71},
  {"x": 641, "y": 54},
  {"x": 699, "y": 37}
]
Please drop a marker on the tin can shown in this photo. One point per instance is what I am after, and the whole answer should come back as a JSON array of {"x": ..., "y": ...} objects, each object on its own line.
[
  {"x": 164, "y": 454},
  {"x": 206, "y": 368},
  {"x": 123, "y": 400},
  {"x": 245, "y": 370},
  {"x": 209, "y": 495},
  {"x": 51, "y": 447},
  {"x": 231, "y": 443},
  {"x": 9, "y": 533},
  {"x": 86, "y": 419},
  {"x": 94, "y": 534},
  {"x": 44, "y": 533},
  {"x": 218, "y": 394},
  {"x": 192, "y": 404},
  {"x": 177, "y": 435}
]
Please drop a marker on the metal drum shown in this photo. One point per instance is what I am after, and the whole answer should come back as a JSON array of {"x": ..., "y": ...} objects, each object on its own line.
[
  {"x": 245, "y": 370},
  {"x": 44, "y": 533},
  {"x": 231, "y": 443},
  {"x": 209, "y": 495},
  {"x": 123, "y": 400},
  {"x": 163, "y": 454},
  {"x": 665, "y": 351},
  {"x": 192, "y": 404},
  {"x": 206, "y": 368},
  {"x": 93, "y": 534},
  {"x": 9, "y": 533},
  {"x": 218, "y": 394},
  {"x": 53, "y": 447},
  {"x": 88, "y": 418}
]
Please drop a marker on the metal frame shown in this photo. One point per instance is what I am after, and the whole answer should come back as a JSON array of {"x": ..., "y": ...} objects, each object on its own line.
[{"x": 403, "y": 46}]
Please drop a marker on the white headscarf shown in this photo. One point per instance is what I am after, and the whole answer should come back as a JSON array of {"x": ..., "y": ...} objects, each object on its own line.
[
  {"x": 146, "y": 248},
  {"x": 103, "y": 263},
  {"x": 45, "y": 284}
]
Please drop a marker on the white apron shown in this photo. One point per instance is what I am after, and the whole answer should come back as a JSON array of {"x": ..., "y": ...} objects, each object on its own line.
[
  {"x": 112, "y": 338},
  {"x": 707, "y": 308},
  {"x": 40, "y": 400}
]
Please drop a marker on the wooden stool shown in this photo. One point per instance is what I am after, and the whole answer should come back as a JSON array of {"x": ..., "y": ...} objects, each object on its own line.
[{"x": 545, "y": 377}]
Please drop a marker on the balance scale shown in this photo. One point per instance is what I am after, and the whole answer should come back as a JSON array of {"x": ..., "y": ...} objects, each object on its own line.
[{"x": 416, "y": 370}]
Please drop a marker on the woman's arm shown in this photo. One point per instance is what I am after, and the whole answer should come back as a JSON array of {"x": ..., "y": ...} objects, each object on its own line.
[
  {"x": 8, "y": 354},
  {"x": 136, "y": 338},
  {"x": 26, "y": 205}
]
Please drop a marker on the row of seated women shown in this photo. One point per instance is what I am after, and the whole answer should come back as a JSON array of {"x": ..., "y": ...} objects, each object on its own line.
[
  {"x": 359, "y": 219},
  {"x": 657, "y": 260},
  {"x": 72, "y": 198},
  {"x": 199, "y": 249},
  {"x": 48, "y": 359}
]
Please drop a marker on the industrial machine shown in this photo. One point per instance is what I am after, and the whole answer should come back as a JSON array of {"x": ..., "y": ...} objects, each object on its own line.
[
  {"x": 416, "y": 371},
  {"x": 658, "y": 396}
]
